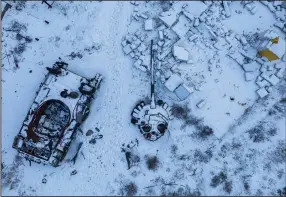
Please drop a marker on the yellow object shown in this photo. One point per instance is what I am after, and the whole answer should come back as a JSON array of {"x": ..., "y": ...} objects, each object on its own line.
[
  {"x": 275, "y": 40},
  {"x": 268, "y": 54}
]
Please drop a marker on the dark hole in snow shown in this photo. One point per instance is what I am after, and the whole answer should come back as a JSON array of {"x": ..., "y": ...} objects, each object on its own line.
[
  {"x": 73, "y": 172},
  {"x": 89, "y": 133},
  {"x": 152, "y": 162}
]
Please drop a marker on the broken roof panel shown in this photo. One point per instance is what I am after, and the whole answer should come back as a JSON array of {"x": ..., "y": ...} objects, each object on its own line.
[
  {"x": 183, "y": 91},
  {"x": 173, "y": 82}
]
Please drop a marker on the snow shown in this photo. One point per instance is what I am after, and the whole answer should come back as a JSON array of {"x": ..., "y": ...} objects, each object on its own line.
[{"x": 188, "y": 162}]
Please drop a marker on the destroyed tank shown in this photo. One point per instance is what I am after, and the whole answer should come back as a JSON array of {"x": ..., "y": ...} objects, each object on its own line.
[
  {"x": 152, "y": 119},
  {"x": 56, "y": 115}
]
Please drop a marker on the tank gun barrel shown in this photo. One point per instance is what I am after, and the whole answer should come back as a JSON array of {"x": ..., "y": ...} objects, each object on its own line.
[{"x": 153, "y": 104}]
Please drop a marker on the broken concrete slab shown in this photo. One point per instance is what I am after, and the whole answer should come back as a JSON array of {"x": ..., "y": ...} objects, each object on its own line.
[
  {"x": 268, "y": 89},
  {"x": 168, "y": 18},
  {"x": 262, "y": 83},
  {"x": 251, "y": 67},
  {"x": 137, "y": 63},
  {"x": 124, "y": 43},
  {"x": 161, "y": 35},
  {"x": 273, "y": 80},
  {"x": 142, "y": 47},
  {"x": 249, "y": 53},
  {"x": 280, "y": 73},
  {"x": 180, "y": 53},
  {"x": 226, "y": 9},
  {"x": 149, "y": 25},
  {"x": 182, "y": 26},
  {"x": 250, "y": 76},
  {"x": 193, "y": 38},
  {"x": 127, "y": 49},
  {"x": 262, "y": 92},
  {"x": 196, "y": 22},
  {"x": 143, "y": 16},
  {"x": 243, "y": 41}
]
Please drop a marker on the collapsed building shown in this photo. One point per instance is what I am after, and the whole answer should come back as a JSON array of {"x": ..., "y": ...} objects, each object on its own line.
[{"x": 60, "y": 107}]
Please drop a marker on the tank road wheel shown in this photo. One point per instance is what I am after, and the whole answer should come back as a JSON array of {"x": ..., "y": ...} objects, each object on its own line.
[
  {"x": 55, "y": 163},
  {"x": 134, "y": 120},
  {"x": 160, "y": 102},
  {"x": 85, "y": 114}
]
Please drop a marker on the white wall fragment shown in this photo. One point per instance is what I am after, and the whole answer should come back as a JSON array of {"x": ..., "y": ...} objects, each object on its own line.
[
  {"x": 201, "y": 104},
  {"x": 226, "y": 9}
]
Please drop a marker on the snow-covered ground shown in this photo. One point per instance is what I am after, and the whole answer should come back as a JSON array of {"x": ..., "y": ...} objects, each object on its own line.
[{"x": 245, "y": 155}]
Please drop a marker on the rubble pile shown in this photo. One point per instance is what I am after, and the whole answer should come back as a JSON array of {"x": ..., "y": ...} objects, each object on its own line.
[
  {"x": 133, "y": 45},
  {"x": 202, "y": 25},
  {"x": 278, "y": 8}
]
